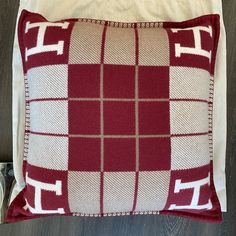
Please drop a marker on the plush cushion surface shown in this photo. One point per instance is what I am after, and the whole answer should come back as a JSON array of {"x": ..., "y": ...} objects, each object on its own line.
[{"x": 118, "y": 118}]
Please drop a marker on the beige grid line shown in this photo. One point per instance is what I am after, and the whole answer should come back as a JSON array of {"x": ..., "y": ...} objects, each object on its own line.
[
  {"x": 101, "y": 116},
  {"x": 121, "y": 99},
  {"x": 136, "y": 119}
]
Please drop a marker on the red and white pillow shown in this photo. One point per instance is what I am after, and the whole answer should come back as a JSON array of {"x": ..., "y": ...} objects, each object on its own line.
[{"x": 118, "y": 118}]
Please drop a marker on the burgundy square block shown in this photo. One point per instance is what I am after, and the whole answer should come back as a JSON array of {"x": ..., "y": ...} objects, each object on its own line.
[
  {"x": 119, "y": 118},
  {"x": 153, "y": 82},
  {"x": 84, "y": 117},
  {"x": 119, "y": 154},
  {"x": 119, "y": 81},
  {"x": 154, "y": 154},
  {"x": 84, "y": 154},
  {"x": 84, "y": 81},
  {"x": 154, "y": 118}
]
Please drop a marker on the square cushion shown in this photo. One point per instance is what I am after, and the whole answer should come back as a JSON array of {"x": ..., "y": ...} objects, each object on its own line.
[{"x": 118, "y": 118}]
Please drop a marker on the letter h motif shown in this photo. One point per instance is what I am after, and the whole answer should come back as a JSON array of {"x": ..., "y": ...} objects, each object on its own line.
[
  {"x": 197, "y": 49},
  {"x": 39, "y": 186},
  {"x": 196, "y": 186},
  {"x": 40, "y": 47}
]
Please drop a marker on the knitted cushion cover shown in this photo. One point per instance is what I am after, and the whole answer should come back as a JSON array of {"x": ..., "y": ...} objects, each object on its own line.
[{"x": 118, "y": 118}]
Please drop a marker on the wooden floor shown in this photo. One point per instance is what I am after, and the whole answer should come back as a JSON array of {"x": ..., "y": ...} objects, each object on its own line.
[{"x": 126, "y": 225}]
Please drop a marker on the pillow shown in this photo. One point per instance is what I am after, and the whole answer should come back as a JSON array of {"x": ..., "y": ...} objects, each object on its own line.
[{"x": 118, "y": 118}]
